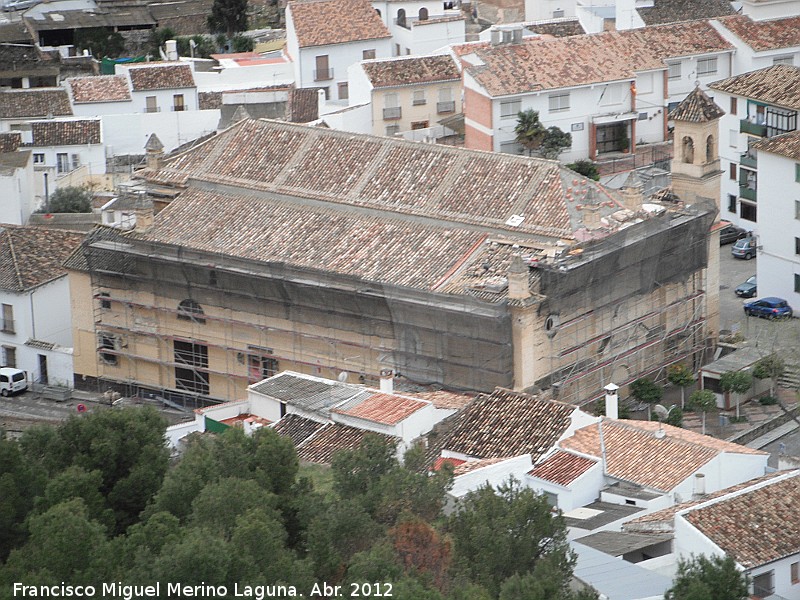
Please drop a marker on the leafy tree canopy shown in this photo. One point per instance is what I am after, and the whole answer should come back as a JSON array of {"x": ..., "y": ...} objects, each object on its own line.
[
  {"x": 69, "y": 199},
  {"x": 228, "y": 17},
  {"x": 645, "y": 390},
  {"x": 586, "y": 168},
  {"x": 704, "y": 578}
]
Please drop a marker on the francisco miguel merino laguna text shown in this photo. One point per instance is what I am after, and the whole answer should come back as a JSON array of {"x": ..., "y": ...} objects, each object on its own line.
[{"x": 131, "y": 592}]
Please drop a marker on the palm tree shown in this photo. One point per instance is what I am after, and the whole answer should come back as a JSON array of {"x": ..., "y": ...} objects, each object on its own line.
[{"x": 530, "y": 131}]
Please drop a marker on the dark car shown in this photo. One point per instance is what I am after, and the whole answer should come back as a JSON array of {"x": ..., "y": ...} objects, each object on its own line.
[
  {"x": 769, "y": 308},
  {"x": 748, "y": 289},
  {"x": 730, "y": 233},
  {"x": 744, "y": 248}
]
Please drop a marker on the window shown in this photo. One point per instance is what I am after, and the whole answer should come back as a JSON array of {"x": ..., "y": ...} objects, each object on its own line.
[
  {"x": 343, "y": 90},
  {"x": 797, "y": 172},
  {"x": 368, "y": 54},
  {"x": 103, "y": 302},
  {"x": 391, "y": 107},
  {"x": 674, "y": 71},
  {"x": 511, "y": 148},
  {"x": 392, "y": 130},
  {"x": 177, "y": 103},
  {"x": 195, "y": 357},
  {"x": 797, "y": 209},
  {"x": 401, "y": 21},
  {"x": 261, "y": 366},
  {"x": 642, "y": 116},
  {"x": 707, "y": 66},
  {"x": 38, "y": 159},
  {"x": 797, "y": 290},
  {"x": 106, "y": 342},
  {"x": 797, "y": 245},
  {"x": 322, "y": 72},
  {"x": 418, "y": 98},
  {"x": 189, "y": 310},
  {"x": 8, "y": 318},
  {"x": 734, "y": 105},
  {"x": 150, "y": 104},
  {"x": 419, "y": 125},
  {"x": 732, "y": 203},
  {"x": 611, "y": 94},
  {"x": 733, "y": 138},
  {"x": 10, "y": 356},
  {"x": 794, "y": 568},
  {"x": 763, "y": 584},
  {"x": 733, "y": 170},
  {"x": 559, "y": 102},
  {"x": 783, "y": 60},
  {"x": 423, "y": 14},
  {"x": 397, "y": 49},
  {"x": 62, "y": 162},
  {"x": 747, "y": 211},
  {"x": 510, "y": 109}
]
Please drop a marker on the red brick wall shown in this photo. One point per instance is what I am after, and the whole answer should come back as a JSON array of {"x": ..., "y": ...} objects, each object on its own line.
[
  {"x": 477, "y": 140},
  {"x": 477, "y": 108}
]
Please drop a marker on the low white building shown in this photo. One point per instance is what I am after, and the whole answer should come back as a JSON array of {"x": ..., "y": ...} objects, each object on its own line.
[
  {"x": 421, "y": 26},
  {"x": 35, "y": 310},
  {"x": 17, "y": 200},
  {"x": 18, "y": 107}
]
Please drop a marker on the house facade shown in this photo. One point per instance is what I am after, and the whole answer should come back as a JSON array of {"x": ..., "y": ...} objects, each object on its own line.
[
  {"x": 17, "y": 200},
  {"x": 421, "y": 27}
]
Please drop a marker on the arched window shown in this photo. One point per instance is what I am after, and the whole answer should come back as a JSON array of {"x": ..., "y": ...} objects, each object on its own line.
[
  {"x": 688, "y": 150},
  {"x": 401, "y": 17},
  {"x": 423, "y": 14},
  {"x": 189, "y": 310},
  {"x": 378, "y": 10},
  {"x": 710, "y": 149}
]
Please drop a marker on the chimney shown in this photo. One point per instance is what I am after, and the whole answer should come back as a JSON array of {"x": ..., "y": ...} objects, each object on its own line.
[
  {"x": 172, "y": 49},
  {"x": 387, "y": 381},
  {"x": 591, "y": 210},
  {"x": 497, "y": 37},
  {"x": 518, "y": 288},
  {"x": 143, "y": 212},
  {"x": 633, "y": 192},
  {"x": 154, "y": 151},
  {"x": 612, "y": 401},
  {"x": 699, "y": 486}
]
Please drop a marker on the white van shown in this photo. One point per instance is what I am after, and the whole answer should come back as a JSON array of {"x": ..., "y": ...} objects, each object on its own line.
[{"x": 11, "y": 381}]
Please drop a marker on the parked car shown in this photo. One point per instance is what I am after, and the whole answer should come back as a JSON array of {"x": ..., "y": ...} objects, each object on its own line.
[
  {"x": 730, "y": 233},
  {"x": 15, "y": 5},
  {"x": 12, "y": 380},
  {"x": 748, "y": 289},
  {"x": 769, "y": 308},
  {"x": 744, "y": 248}
]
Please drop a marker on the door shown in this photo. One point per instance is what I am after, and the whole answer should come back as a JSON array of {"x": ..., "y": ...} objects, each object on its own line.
[{"x": 43, "y": 369}]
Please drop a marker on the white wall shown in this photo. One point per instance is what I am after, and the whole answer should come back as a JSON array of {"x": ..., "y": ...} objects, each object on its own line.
[
  {"x": 759, "y": 10},
  {"x": 127, "y": 134},
  {"x": 165, "y": 99},
  {"x": 778, "y": 227},
  {"x": 494, "y": 474},
  {"x": 582, "y": 491},
  {"x": 60, "y": 369},
  {"x": 680, "y": 87},
  {"x": 52, "y": 318},
  {"x": 92, "y": 156},
  {"x": 340, "y": 57},
  {"x": 357, "y": 119},
  {"x": 16, "y": 195},
  {"x": 95, "y": 109},
  {"x": 782, "y": 576},
  {"x": 280, "y": 73},
  {"x": 542, "y": 10}
]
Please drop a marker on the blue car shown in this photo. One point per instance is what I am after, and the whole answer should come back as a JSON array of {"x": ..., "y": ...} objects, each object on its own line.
[{"x": 769, "y": 308}]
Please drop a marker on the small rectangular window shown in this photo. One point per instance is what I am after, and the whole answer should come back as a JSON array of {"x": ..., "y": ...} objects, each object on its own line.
[
  {"x": 732, "y": 203},
  {"x": 733, "y": 171},
  {"x": 797, "y": 209},
  {"x": 797, "y": 283},
  {"x": 107, "y": 342},
  {"x": 8, "y": 319},
  {"x": 797, "y": 172},
  {"x": 748, "y": 211},
  {"x": 707, "y": 66},
  {"x": 733, "y": 138},
  {"x": 558, "y": 102},
  {"x": 418, "y": 98},
  {"x": 795, "y": 566},
  {"x": 343, "y": 90},
  {"x": 10, "y": 356},
  {"x": 797, "y": 245},
  {"x": 104, "y": 303},
  {"x": 674, "y": 71},
  {"x": 510, "y": 109},
  {"x": 177, "y": 103},
  {"x": 734, "y": 105},
  {"x": 368, "y": 54},
  {"x": 38, "y": 159},
  {"x": 62, "y": 162}
]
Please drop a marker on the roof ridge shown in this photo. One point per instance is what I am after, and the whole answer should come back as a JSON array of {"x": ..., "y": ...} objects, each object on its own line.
[{"x": 14, "y": 257}]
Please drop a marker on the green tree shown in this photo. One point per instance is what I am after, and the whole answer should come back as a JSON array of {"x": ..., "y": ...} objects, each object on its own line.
[
  {"x": 357, "y": 472},
  {"x": 220, "y": 504},
  {"x": 101, "y": 42},
  {"x": 554, "y": 143},
  {"x": 499, "y": 533},
  {"x": 736, "y": 382},
  {"x": 242, "y": 43},
  {"x": 704, "y": 401},
  {"x": 529, "y": 130},
  {"x": 586, "y": 168},
  {"x": 20, "y": 482},
  {"x": 645, "y": 390},
  {"x": 704, "y": 578},
  {"x": 158, "y": 38},
  {"x": 75, "y": 482},
  {"x": 680, "y": 375},
  {"x": 69, "y": 199},
  {"x": 770, "y": 367},
  {"x": 203, "y": 46},
  {"x": 228, "y": 17}
]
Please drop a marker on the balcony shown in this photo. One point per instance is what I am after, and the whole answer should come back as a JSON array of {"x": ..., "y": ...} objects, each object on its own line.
[
  {"x": 419, "y": 102},
  {"x": 746, "y": 126},
  {"x": 392, "y": 114},
  {"x": 323, "y": 74},
  {"x": 152, "y": 109},
  {"x": 446, "y": 107},
  {"x": 747, "y": 193},
  {"x": 748, "y": 160}
]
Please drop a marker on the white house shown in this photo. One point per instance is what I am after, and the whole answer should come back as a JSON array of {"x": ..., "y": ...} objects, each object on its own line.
[
  {"x": 16, "y": 179},
  {"x": 18, "y": 106},
  {"x": 100, "y": 95},
  {"x": 35, "y": 331},
  {"x": 323, "y": 38},
  {"x": 761, "y": 44},
  {"x": 760, "y": 105},
  {"x": 421, "y": 26}
]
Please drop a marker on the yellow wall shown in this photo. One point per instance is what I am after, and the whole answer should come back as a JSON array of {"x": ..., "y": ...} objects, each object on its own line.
[{"x": 411, "y": 113}]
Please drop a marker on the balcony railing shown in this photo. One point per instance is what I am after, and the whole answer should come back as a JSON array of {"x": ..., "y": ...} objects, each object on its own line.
[
  {"x": 419, "y": 101},
  {"x": 748, "y": 160},
  {"x": 179, "y": 108},
  {"x": 7, "y": 326},
  {"x": 746, "y": 126},
  {"x": 446, "y": 107},
  {"x": 747, "y": 193},
  {"x": 152, "y": 109},
  {"x": 323, "y": 74},
  {"x": 390, "y": 114}
]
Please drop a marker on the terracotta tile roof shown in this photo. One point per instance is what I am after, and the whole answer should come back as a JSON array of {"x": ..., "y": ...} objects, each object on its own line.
[
  {"x": 778, "y": 84},
  {"x": 161, "y": 77},
  {"x": 32, "y": 256},
  {"x": 445, "y": 400},
  {"x": 441, "y": 461},
  {"x": 635, "y": 454},
  {"x": 765, "y": 35},
  {"x": 787, "y": 144},
  {"x": 102, "y": 88},
  {"x": 562, "y": 468},
  {"x": 393, "y": 176},
  {"x": 303, "y": 105},
  {"x": 473, "y": 465},
  {"x": 388, "y": 409},
  {"x": 541, "y": 64},
  {"x": 325, "y": 22},
  {"x": 10, "y": 141},
  {"x": 697, "y": 107},
  {"x": 671, "y": 11},
  {"x": 756, "y": 526},
  {"x": 663, "y": 520},
  {"x": 557, "y": 27},
  {"x": 322, "y": 445},
  {"x": 66, "y": 133},
  {"x": 506, "y": 423},
  {"x": 411, "y": 71},
  {"x": 34, "y": 102},
  {"x": 297, "y": 428}
]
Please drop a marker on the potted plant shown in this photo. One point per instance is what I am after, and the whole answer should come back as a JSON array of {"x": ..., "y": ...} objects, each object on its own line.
[{"x": 625, "y": 144}]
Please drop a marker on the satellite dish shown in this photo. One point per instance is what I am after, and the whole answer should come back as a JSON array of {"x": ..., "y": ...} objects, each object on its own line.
[
  {"x": 662, "y": 412},
  {"x": 342, "y": 377}
]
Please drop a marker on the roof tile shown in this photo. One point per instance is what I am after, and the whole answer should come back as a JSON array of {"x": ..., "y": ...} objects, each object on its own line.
[
  {"x": 326, "y": 22},
  {"x": 415, "y": 70},
  {"x": 388, "y": 409},
  {"x": 66, "y": 133},
  {"x": 787, "y": 145},
  {"x": 778, "y": 84},
  {"x": 697, "y": 107},
  {"x": 765, "y": 35},
  {"x": 34, "y": 102},
  {"x": 161, "y": 77},
  {"x": 101, "y": 88},
  {"x": 562, "y": 468},
  {"x": 32, "y": 256}
]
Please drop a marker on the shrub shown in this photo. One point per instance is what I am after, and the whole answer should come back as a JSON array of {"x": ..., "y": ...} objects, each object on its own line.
[
  {"x": 768, "y": 400},
  {"x": 586, "y": 168},
  {"x": 69, "y": 200}
]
